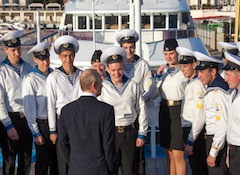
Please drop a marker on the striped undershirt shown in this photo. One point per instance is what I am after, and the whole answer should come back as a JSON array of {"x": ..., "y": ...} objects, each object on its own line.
[
  {"x": 173, "y": 70},
  {"x": 128, "y": 67},
  {"x": 71, "y": 78},
  {"x": 46, "y": 74},
  {"x": 120, "y": 89},
  {"x": 17, "y": 68}
]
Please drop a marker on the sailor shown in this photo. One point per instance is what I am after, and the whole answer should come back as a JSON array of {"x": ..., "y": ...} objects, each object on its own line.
[
  {"x": 215, "y": 104},
  {"x": 98, "y": 65},
  {"x": 35, "y": 108},
  {"x": 126, "y": 98},
  {"x": 230, "y": 47},
  {"x": 192, "y": 113},
  {"x": 232, "y": 70},
  {"x": 63, "y": 87},
  {"x": 137, "y": 69},
  {"x": 16, "y": 136},
  {"x": 171, "y": 84}
]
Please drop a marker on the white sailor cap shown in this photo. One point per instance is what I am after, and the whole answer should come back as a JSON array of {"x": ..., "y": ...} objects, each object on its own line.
[
  {"x": 127, "y": 36},
  {"x": 206, "y": 61},
  {"x": 12, "y": 38},
  {"x": 233, "y": 62},
  {"x": 238, "y": 45},
  {"x": 66, "y": 42},
  {"x": 230, "y": 47},
  {"x": 40, "y": 50},
  {"x": 113, "y": 54},
  {"x": 186, "y": 55}
]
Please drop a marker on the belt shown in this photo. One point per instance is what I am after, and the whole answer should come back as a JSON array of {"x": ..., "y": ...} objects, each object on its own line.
[
  {"x": 16, "y": 114},
  {"x": 171, "y": 102},
  {"x": 233, "y": 147},
  {"x": 123, "y": 129},
  {"x": 43, "y": 121}
]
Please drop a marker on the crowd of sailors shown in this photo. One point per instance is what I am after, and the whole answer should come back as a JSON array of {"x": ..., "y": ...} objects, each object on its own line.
[{"x": 198, "y": 115}]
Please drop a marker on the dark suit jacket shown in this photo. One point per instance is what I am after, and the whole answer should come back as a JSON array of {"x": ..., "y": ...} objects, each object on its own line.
[{"x": 86, "y": 137}]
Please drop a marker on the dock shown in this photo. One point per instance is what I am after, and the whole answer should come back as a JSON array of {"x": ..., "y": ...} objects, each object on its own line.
[{"x": 154, "y": 166}]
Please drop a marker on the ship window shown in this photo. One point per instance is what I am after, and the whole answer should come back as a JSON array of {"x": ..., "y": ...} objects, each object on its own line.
[
  {"x": 172, "y": 21},
  {"x": 82, "y": 22},
  {"x": 69, "y": 19},
  {"x": 145, "y": 22},
  {"x": 98, "y": 22},
  {"x": 159, "y": 21},
  {"x": 125, "y": 22},
  {"x": 111, "y": 22},
  {"x": 185, "y": 21}
]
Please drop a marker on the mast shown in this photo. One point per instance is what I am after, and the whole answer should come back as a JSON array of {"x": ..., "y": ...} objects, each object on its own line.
[
  {"x": 38, "y": 27},
  {"x": 93, "y": 25},
  {"x": 138, "y": 19},
  {"x": 236, "y": 31}
]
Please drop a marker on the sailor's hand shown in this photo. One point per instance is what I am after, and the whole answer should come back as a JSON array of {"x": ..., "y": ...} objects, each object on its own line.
[
  {"x": 211, "y": 161},
  {"x": 53, "y": 138},
  {"x": 12, "y": 134},
  {"x": 227, "y": 161},
  {"x": 140, "y": 142},
  {"x": 161, "y": 69},
  {"x": 39, "y": 140},
  {"x": 188, "y": 150}
]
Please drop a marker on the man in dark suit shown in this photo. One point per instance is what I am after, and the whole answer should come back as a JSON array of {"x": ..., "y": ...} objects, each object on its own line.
[{"x": 87, "y": 131}]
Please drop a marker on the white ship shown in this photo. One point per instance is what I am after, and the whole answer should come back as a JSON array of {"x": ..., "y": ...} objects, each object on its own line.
[{"x": 160, "y": 19}]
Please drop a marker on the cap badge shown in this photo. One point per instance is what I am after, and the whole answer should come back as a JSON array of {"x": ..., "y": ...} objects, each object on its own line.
[
  {"x": 43, "y": 52},
  {"x": 14, "y": 40},
  {"x": 97, "y": 60},
  {"x": 114, "y": 57},
  {"x": 167, "y": 49},
  {"x": 126, "y": 38},
  {"x": 65, "y": 45}
]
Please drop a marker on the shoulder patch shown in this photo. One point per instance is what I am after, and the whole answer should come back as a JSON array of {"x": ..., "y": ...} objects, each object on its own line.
[
  {"x": 218, "y": 109},
  {"x": 200, "y": 100}
]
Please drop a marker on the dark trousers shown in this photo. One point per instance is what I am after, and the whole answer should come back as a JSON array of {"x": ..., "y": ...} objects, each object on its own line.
[
  {"x": 234, "y": 160},
  {"x": 62, "y": 164},
  {"x": 198, "y": 159},
  {"x": 46, "y": 153},
  {"x": 140, "y": 161},
  {"x": 140, "y": 157},
  {"x": 21, "y": 147},
  {"x": 221, "y": 167},
  {"x": 126, "y": 151}
]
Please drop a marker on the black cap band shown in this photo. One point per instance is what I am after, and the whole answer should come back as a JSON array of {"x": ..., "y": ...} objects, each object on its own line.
[
  {"x": 96, "y": 56},
  {"x": 114, "y": 59},
  {"x": 201, "y": 65},
  {"x": 66, "y": 46},
  {"x": 15, "y": 42},
  {"x": 187, "y": 59},
  {"x": 170, "y": 44},
  {"x": 42, "y": 54},
  {"x": 127, "y": 39},
  {"x": 231, "y": 66}
]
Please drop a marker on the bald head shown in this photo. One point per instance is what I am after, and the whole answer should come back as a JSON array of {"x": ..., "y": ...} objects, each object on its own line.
[{"x": 90, "y": 81}]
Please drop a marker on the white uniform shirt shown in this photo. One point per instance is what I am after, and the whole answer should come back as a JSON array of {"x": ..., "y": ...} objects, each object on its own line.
[
  {"x": 172, "y": 87},
  {"x": 142, "y": 75},
  {"x": 233, "y": 131},
  {"x": 35, "y": 99},
  {"x": 127, "y": 106},
  {"x": 11, "y": 84},
  {"x": 192, "y": 112},
  {"x": 216, "y": 103},
  {"x": 61, "y": 92}
]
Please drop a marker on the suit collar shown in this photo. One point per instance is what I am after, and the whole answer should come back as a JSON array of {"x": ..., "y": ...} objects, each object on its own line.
[{"x": 88, "y": 94}]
